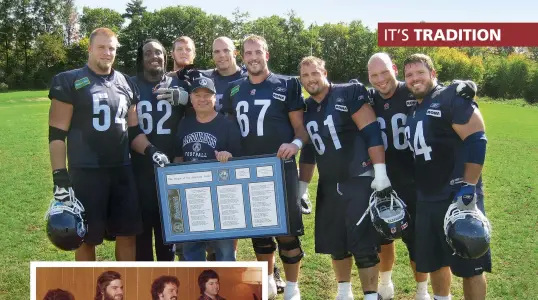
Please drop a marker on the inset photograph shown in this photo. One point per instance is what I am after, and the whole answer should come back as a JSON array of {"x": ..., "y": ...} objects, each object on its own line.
[{"x": 141, "y": 281}]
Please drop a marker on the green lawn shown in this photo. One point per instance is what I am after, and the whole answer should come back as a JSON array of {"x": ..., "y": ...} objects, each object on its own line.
[{"x": 509, "y": 175}]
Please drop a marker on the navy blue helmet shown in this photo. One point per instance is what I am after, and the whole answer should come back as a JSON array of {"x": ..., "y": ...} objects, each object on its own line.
[
  {"x": 66, "y": 226},
  {"x": 468, "y": 232}
]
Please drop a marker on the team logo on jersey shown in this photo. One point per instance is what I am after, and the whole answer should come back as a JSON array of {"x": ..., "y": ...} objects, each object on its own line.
[
  {"x": 433, "y": 113},
  {"x": 234, "y": 90},
  {"x": 203, "y": 82},
  {"x": 404, "y": 225},
  {"x": 82, "y": 83},
  {"x": 279, "y": 97},
  {"x": 253, "y": 92},
  {"x": 196, "y": 147},
  {"x": 393, "y": 230},
  {"x": 386, "y": 106},
  {"x": 280, "y": 90},
  {"x": 410, "y": 103},
  {"x": 340, "y": 107},
  {"x": 224, "y": 174},
  {"x": 340, "y": 100},
  {"x": 435, "y": 105}
]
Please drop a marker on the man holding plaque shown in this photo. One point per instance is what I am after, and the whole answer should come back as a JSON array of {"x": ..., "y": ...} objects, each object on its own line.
[
  {"x": 269, "y": 110},
  {"x": 347, "y": 141},
  {"x": 207, "y": 135}
]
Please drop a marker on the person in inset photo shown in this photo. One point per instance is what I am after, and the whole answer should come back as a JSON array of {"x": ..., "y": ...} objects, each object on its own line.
[
  {"x": 58, "y": 294},
  {"x": 165, "y": 288},
  {"x": 208, "y": 281},
  {"x": 109, "y": 286}
]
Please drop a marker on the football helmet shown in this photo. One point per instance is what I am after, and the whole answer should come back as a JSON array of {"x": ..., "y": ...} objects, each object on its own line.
[
  {"x": 468, "y": 232},
  {"x": 389, "y": 215},
  {"x": 66, "y": 226}
]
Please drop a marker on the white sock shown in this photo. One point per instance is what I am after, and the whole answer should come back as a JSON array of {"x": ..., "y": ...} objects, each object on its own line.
[
  {"x": 385, "y": 277},
  {"x": 344, "y": 287},
  {"x": 291, "y": 290},
  {"x": 292, "y": 285},
  {"x": 371, "y": 297},
  {"x": 422, "y": 287},
  {"x": 449, "y": 297}
]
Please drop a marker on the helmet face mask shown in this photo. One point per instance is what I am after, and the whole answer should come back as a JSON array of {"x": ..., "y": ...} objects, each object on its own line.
[
  {"x": 468, "y": 232},
  {"x": 389, "y": 216},
  {"x": 66, "y": 227}
]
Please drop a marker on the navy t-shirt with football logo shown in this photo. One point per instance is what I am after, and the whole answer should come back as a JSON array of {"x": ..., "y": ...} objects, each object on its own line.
[
  {"x": 438, "y": 150},
  {"x": 262, "y": 111},
  {"x": 97, "y": 136},
  {"x": 340, "y": 150},
  {"x": 222, "y": 82},
  {"x": 158, "y": 119},
  {"x": 392, "y": 115},
  {"x": 198, "y": 141}
]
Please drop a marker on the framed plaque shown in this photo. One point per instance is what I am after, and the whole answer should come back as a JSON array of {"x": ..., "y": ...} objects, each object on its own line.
[{"x": 210, "y": 200}]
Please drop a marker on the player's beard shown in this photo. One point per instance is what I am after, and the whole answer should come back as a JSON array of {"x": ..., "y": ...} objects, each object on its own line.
[
  {"x": 261, "y": 67},
  {"x": 317, "y": 90},
  {"x": 104, "y": 66},
  {"x": 155, "y": 72},
  {"x": 109, "y": 297},
  {"x": 421, "y": 94}
]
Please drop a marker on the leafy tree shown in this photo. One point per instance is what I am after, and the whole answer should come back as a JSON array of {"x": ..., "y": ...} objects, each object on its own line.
[{"x": 93, "y": 18}]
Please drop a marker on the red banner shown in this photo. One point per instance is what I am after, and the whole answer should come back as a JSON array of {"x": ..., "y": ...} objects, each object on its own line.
[{"x": 457, "y": 34}]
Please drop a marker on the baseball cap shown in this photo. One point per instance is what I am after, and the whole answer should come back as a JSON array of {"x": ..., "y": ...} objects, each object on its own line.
[{"x": 203, "y": 82}]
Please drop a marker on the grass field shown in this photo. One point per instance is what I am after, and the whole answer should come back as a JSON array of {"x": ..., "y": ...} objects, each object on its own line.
[{"x": 510, "y": 177}]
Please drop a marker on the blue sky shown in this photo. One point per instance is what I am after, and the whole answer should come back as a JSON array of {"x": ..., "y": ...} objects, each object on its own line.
[{"x": 370, "y": 12}]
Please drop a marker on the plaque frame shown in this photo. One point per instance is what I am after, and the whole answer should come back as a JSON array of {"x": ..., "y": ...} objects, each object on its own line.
[{"x": 174, "y": 180}]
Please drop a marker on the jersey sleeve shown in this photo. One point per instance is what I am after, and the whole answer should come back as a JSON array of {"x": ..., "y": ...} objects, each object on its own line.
[
  {"x": 61, "y": 88},
  {"x": 178, "y": 142},
  {"x": 234, "y": 139},
  {"x": 459, "y": 110},
  {"x": 356, "y": 98},
  {"x": 295, "y": 99}
]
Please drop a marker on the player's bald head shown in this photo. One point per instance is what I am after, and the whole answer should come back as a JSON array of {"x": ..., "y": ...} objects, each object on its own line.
[
  {"x": 380, "y": 57},
  {"x": 226, "y": 40}
]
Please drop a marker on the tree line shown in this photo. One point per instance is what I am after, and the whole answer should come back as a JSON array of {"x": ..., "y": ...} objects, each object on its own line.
[{"x": 39, "y": 38}]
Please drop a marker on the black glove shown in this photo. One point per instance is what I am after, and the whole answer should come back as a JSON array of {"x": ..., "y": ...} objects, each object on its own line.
[
  {"x": 465, "y": 89},
  {"x": 156, "y": 156},
  {"x": 62, "y": 185}
]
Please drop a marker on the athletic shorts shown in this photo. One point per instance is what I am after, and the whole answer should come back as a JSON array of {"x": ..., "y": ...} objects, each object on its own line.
[
  {"x": 339, "y": 206},
  {"x": 432, "y": 249},
  {"x": 110, "y": 200}
]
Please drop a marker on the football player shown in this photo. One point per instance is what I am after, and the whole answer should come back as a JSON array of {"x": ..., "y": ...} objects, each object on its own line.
[
  {"x": 207, "y": 135},
  {"x": 391, "y": 102},
  {"x": 165, "y": 287},
  {"x": 226, "y": 69},
  {"x": 161, "y": 107},
  {"x": 269, "y": 111},
  {"x": 446, "y": 135},
  {"x": 94, "y": 107},
  {"x": 183, "y": 53},
  {"x": 335, "y": 114}
]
